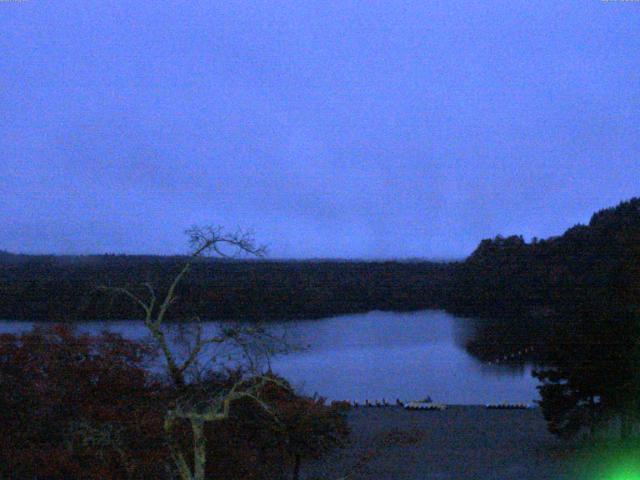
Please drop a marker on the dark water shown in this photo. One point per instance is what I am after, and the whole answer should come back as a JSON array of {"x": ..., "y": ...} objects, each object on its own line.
[{"x": 379, "y": 355}]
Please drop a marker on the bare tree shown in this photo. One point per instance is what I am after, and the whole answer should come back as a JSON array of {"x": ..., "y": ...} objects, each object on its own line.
[{"x": 200, "y": 405}]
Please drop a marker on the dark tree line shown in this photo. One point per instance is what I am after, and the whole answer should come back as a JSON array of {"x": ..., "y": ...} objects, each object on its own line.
[
  {"x": 506, "y": 277},
  {"x": 595, "y": 265},
  {"x": 65, "y": 288}
]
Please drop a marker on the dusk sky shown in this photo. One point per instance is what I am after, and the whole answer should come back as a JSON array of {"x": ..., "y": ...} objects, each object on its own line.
[{"x": 332, "y": 129}]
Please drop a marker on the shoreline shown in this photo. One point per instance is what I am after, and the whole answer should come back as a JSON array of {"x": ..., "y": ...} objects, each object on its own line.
[{"x": 459, "y": 443}]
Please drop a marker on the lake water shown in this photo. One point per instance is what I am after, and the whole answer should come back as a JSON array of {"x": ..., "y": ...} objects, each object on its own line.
[{"x": 379, "y": 355}]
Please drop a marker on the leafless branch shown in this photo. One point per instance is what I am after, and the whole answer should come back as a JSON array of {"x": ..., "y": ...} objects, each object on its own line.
[
  {"x": 121, "y": 290},
  {"x": 204, "y": 240},
  {"x": 206, "y": 406}
]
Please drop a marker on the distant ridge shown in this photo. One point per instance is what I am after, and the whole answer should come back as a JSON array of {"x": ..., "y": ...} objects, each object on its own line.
[
  {"x": 53, "y": 288},
  {"x": 589, "y": 268},
  {"x": 6, "y": 255}
]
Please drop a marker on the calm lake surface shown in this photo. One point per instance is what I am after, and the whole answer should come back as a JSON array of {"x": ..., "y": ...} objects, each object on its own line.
[{"x": 378, "y": 355}]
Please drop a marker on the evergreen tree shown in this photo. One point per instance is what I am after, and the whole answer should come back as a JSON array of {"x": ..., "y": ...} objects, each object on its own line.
[{"x": 592, "y": 374}]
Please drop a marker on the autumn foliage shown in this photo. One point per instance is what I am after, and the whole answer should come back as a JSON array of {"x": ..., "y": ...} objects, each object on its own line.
[
  {"x": 77, "y": 406},
  {"x": 81, "y": 406}
]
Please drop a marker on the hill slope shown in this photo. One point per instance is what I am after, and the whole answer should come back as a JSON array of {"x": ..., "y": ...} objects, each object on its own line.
[{"x": 594, "y": 266}]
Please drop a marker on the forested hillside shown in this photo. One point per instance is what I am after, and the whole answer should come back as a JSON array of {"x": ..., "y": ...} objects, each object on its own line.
[
  {"x": 67, "y": 287},
  {"x": 594, "y": 267}
]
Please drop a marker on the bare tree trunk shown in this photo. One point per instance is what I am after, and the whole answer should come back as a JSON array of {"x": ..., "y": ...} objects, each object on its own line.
[
  {"x": 203, "y": 240},
  {"x": 199, "y": 449},
  {"x": 183, "y": 469}
]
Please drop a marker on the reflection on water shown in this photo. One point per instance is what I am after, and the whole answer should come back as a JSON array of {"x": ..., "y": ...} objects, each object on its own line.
[
  {"x": 379, "y": 355},
  {"x": 407, "y": 355}
]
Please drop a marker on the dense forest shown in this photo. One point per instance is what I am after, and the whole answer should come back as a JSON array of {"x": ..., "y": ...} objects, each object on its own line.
[
  {"x": 592, "y": 267},
  {"x": 67, "y": 287}
]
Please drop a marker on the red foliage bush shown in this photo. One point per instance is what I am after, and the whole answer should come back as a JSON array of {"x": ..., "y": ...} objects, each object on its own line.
[
  {"x": 81, "y": 406},
  {"x": 76, "y": 406}
]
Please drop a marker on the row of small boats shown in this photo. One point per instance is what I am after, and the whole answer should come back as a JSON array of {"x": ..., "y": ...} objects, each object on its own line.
[
  {"x": 424, "y": 406},
  {"x": 427, "y": 404},
  {"x": 375, "y": 403},
  {"x": 507, "y": 406}
]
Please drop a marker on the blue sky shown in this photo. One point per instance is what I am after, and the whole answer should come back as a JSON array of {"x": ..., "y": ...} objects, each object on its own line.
[{"x": 332, "y": 129}]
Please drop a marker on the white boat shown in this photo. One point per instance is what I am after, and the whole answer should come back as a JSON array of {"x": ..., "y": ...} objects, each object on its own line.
[{"x": 424, "y": 406}]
